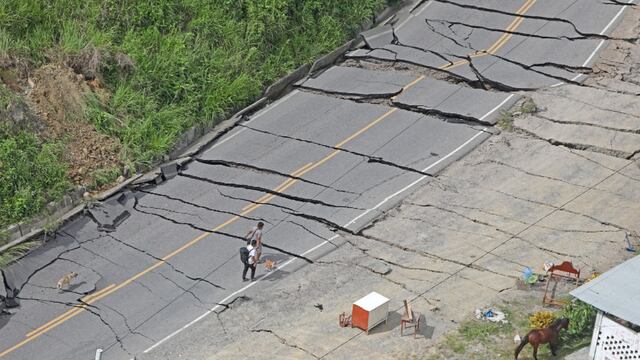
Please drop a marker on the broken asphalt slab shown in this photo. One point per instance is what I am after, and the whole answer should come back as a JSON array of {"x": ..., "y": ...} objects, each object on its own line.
[
  {"x": 378, "y": 37},
  {"x": 458, "y": 243},
  {"x": 437, "y": 97},
  {"x": 582, "y": 137},
  {"x": 108, "y": 215},
  {"x": 455, "y": 101},
  {"x": 523, "y": 61},
  {"x": 590, "y": 107},
  {"x": 389, "y": 154},
  {"x": 361, "y": 83}
]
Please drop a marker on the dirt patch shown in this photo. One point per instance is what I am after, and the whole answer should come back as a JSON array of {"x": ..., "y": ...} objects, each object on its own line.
[
  {"x": 58, "y": 96},
  {"x": 14, "y": 72}
]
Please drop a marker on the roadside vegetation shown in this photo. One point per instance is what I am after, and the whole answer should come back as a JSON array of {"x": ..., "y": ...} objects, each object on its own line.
[
  {"x": 147, "y": 70},
  {"x": 478, "y": 339},
  {"x": 31, "y": 174},
  {"x": 506, "y": 118},
  {"x": 16, "y": 252}
]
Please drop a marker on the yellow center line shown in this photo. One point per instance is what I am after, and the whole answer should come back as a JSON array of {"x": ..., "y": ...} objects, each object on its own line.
[
  {"x": 267, "y": 197},
  {"x": 312, "y": 166},
  {"x": 502, "y": 40},
  {"x": 355, "y": 135},
  {"x": 511, "y": 28},
  {"x": 57, "y": 321},
  {"x": 86, "y": 300},
  {"x": 413, "y": 82},
  {"x": 113, "y": 288}
]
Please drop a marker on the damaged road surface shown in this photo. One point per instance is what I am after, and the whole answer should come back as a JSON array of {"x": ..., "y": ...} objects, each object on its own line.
[
  {"x": 317, "y": 167},
  {"x": 515, "y": 45}
]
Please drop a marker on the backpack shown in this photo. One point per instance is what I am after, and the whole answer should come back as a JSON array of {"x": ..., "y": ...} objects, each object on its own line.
[{"x": 244, "y": 255}]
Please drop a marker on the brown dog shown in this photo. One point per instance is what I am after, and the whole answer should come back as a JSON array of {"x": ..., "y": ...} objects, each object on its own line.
[
  {"x": 270, "y": 264},
  {"x": 66, "y": 279}
]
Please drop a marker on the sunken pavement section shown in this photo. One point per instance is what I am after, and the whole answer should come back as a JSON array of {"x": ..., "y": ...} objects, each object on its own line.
[{"x": 559, "y": 182}]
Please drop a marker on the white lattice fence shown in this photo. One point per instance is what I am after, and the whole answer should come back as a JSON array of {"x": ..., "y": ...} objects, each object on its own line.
[{"x": 612, "y": 341}]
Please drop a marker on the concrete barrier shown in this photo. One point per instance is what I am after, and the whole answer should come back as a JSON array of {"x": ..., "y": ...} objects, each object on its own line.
[
  {"x": 196, "y": 145},
  {"x": 331, "y": 58},
  {"x": 281, "y": 86}
]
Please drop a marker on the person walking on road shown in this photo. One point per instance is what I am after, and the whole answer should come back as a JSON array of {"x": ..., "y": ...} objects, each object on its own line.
[
  {"x": 256, "y": 234},
  {"x": 249, "y": 260}
]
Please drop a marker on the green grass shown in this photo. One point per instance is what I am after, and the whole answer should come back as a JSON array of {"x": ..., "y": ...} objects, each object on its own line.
[
  {"x": 482, "y": 330},
  {"x": 483, "y": 340},
  {"x": 6, "y": 95},
  {"x": 505, "y": 121},
  {"x": 506, "y": 117},
  {"x": 15, "y": 252},
  {"x": 31, "y": 175},
  {"x": 104, "y": 177},
  {"x": 455, "y": 344},
  {"x": 528, "y": 106}
]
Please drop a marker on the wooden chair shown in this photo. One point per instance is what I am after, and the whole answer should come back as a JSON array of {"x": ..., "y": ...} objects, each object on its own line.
[
  {"x": 410, "y": 319},
  {"x": 557, "y": 272}
]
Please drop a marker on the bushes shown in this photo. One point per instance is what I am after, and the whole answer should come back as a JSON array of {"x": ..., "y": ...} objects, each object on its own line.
[
  {"x": 31, "y": 174},
  {"x": 581, "y": 318},
  {"x": 541, "y": 319},
  {"x": 14, "y": 252}
]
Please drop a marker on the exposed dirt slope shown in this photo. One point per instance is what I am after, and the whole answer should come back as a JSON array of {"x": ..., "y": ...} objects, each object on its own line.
[{"x": 58, "y": 96}]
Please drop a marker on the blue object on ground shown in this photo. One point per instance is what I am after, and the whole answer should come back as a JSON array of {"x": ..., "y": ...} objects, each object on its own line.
[{"x": 630, "y": 247}]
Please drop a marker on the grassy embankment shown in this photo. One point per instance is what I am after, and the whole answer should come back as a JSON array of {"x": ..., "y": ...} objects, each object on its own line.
[{"x": 165, "y": 65}]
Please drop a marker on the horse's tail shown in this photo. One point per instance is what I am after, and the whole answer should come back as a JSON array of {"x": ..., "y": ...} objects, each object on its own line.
[{"x": 525, "y": 341}]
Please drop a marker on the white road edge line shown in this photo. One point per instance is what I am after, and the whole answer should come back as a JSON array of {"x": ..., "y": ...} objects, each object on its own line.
[
  {"x": 595, "y": 51},
  {"x": 398, "y": 27},
  {"x": 414, "y": 15},
  {"x": 208, "y": 312},
  {"x": 497, "y": 107},
  {"x": 255, "y": 117},
  {"x": 432, "y": 165},
  {"x": 417, "y": 181}
]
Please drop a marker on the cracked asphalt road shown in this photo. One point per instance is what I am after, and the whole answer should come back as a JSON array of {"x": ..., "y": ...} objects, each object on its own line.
[{"x": 318, "y": 167}]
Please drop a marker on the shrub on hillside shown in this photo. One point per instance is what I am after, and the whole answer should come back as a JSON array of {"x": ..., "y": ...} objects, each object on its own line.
[{"x": 31, "y": 174}]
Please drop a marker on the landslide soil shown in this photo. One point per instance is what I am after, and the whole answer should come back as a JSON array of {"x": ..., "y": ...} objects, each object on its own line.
[{"x": 57, "y": 96}]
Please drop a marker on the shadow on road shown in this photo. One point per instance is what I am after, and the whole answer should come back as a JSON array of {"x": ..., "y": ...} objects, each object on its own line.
[
  {"x": 277, "y": 257},
  {"x": 5, "y": 317},
  {"x": 275, "y": 275}
]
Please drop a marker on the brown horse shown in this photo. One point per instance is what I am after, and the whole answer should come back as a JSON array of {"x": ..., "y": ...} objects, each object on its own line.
[{"x": 549, "y": 335}]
